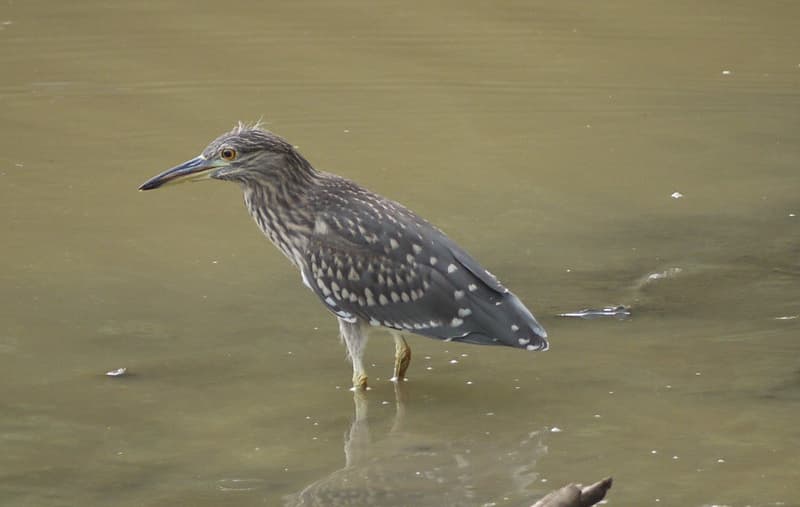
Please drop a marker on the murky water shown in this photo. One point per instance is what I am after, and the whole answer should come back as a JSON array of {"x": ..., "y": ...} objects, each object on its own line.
[{"x": 545, "y": 137}]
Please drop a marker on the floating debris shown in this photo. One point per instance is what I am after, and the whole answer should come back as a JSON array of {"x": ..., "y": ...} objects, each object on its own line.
[
  {"x": 119, "y": 372},
  {"x": 239, "y": 484},
  {"x": 676, "y": 195},
  {"x": 661, "y": 275},
  {"x": 619, "y": 312},
  {"x": 667, "y": 273}
]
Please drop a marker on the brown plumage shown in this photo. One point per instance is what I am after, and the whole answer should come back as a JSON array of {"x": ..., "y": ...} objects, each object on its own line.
[{"x": 372, "y": 261}]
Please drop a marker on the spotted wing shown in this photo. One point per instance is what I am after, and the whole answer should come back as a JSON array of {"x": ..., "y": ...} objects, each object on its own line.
[{"x": 393, "y": 269}]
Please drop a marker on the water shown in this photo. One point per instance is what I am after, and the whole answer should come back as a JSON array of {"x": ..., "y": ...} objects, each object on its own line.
[{"x": 548, "y": 139}]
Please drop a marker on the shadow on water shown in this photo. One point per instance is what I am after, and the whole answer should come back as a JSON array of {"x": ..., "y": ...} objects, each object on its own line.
[{"x": 406, "y": 468}]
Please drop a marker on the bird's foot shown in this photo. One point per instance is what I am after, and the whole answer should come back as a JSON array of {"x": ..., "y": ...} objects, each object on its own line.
[{"x": 359, "y": 382}]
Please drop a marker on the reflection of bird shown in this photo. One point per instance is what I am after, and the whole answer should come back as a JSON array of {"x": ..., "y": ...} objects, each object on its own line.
[
  {"x": 371, "y": 261},
  {"x": 405, "y": 466}
]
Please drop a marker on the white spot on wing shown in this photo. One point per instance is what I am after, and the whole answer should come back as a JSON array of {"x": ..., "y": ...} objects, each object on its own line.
[
  {"x": 531, "y": 347},
  {"x": 352, "y": 275},
  {"x": 320, "y": 227},
  {"x": 458, "y": 294},
  {"x": 456, "y": 322},
  {"x": 374, "y": 322},
  {"x": 524, "y": 341},
  {"x": 382, "y": 299},
  {"x": 464, "y": 312},
  {"x": 451, "y": 268},
  {"x": 417, "y": 249},
  {"x": 305, "y": 280},
  {"x": 329, "y": 300},
  {"x": 472, "y": 287},
  {"x": 393, "y": 243},
  {"x": 433, "y": 260},
  {"x": 395, "y": 297},
  {"x": 514, "y": 327},
  {"x": 404, "y": 297}
]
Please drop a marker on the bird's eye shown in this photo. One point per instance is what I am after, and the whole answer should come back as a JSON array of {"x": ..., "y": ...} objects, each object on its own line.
[{"x": 228, "y": 154}]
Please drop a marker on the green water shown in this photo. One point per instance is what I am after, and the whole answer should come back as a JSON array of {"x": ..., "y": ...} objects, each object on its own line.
[{"x": 546, "y": 138}]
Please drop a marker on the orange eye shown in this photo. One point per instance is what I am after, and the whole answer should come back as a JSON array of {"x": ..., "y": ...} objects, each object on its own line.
[{"x": 228, "y": 154}]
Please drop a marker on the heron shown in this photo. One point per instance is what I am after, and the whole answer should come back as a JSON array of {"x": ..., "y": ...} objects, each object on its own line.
[{"x": 372, "y": 262}]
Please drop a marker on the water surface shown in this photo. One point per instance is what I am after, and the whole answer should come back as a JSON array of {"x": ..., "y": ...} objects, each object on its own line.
[{"x": 546, "y": 138}]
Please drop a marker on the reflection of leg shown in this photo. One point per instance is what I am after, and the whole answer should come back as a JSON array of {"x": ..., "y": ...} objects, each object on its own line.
[
  {"x": 402, "y": 357},
  {"x": 356, "y": 441},
  {"x": 355, "y": 338},
  {"x": 399, "y": 405}
]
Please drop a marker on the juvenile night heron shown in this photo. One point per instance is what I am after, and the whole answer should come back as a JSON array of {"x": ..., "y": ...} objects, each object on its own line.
[{"x": 372, "y": 261}]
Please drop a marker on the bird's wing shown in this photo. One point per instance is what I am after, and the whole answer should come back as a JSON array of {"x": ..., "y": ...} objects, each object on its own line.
[{"x": 394, "y": 269}]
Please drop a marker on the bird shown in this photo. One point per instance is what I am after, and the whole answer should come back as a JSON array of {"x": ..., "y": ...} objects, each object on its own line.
[{"x": 372, "y": 262}]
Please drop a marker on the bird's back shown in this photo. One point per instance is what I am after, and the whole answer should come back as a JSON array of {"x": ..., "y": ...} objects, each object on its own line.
[{"x": 373, "y": 259}]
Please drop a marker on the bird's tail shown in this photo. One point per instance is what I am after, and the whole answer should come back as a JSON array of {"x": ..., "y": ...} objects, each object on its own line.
[
  {"x": 506, "y": 321},
  {"x": 526, "y": 330}
]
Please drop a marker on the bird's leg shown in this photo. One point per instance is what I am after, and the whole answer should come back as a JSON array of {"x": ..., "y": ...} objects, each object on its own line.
[
  {"x": 402, "y": 357},
  {"x": 355, "y": 338}
]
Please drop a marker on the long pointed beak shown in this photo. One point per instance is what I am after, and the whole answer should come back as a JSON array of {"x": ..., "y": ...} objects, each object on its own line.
[{"x": 195, "y": 169}]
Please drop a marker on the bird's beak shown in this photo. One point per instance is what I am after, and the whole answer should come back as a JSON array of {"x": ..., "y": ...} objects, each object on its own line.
[{"x": 196, "y": 169}]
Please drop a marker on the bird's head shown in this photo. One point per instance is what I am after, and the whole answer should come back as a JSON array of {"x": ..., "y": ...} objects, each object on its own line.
[{"x": 245, "y": 153}]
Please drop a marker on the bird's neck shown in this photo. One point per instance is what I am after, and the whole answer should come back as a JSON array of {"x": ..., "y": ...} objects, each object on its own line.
[{"x": 281, "y": 209}]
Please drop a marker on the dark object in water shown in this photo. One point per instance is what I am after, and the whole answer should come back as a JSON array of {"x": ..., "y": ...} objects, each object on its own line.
[
  {"x": 574, "y": 496},
  {"x": 620, "y": 312}
]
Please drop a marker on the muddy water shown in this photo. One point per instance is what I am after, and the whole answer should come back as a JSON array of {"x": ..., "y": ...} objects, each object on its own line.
[{"x": 546, "y": 138}]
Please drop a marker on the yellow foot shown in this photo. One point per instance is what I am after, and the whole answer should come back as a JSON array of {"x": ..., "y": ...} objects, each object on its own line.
[{"x": 360, "y": 382}]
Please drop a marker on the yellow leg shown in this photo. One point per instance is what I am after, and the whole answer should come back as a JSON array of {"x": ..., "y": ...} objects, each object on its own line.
[{"x": 402, "y": 357}]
